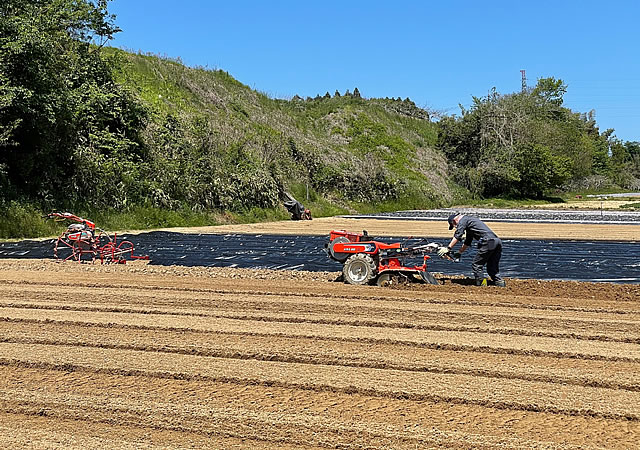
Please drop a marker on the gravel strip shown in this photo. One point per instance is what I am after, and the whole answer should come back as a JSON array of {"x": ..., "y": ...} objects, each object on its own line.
[{"x": 514, "y": 215}]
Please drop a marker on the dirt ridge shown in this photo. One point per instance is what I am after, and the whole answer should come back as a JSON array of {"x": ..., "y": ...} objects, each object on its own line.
[{"x": 328, "y": 360}]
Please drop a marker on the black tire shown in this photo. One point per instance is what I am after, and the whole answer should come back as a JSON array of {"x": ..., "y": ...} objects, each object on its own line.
[{"x": 359, "y": 269}]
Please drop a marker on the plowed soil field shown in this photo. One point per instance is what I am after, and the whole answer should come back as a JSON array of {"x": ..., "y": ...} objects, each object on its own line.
[{"x": 144, "y": 356}]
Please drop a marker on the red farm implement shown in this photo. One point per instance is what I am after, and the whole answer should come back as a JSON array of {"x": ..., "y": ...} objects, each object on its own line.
[
  {"x": 366, "y": 261},
  {"x": 82, "y": 241}
]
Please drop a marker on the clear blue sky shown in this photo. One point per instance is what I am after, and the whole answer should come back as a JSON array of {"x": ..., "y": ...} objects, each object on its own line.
[{"x": 437, "y": 53}]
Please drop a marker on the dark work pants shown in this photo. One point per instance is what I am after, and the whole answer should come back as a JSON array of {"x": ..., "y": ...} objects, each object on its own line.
[{"x": 489, "y": 253}]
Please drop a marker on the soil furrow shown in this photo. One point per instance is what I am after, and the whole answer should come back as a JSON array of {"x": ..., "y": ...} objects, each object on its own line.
[
  {"x": 598, "y": 329},
  {"x": 270, "y": 428},
  {"x": 353, "y": 296},
  {"x": 274, "y": 428},
  {"x": 477, "y": 342},
  {"x": 525, "y": 293},
  {"x": 46, "y": 426},
  {"x": 463, "y": 389},
  {"x": 129, "y": 301},
  {"x": 454, "y": 340},
  {"x": 277, "y": 413},
  {"x": 623, "y": 376}
]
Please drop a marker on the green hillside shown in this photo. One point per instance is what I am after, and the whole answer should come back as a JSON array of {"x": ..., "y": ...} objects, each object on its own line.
[{"x": 347, "y": 149}]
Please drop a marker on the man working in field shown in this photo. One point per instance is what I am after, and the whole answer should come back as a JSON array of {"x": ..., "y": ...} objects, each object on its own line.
[{"x": 489, "y": 246}]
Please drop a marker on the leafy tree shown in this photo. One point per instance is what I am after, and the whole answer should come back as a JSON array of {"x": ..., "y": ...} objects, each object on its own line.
[
  {"x": 523, "y": 143},
  {"x": 632, "y": 148},
  {"x": 460, "y": 139},
  {"x": 550, "y": 90},
  {"x": 59, "y": 103},
  {"x": 356, "y": 93},
  {"x": 630, "y": 157},
  {"x": 538, "y": 170},
  {"x": 624, "y": 163}
]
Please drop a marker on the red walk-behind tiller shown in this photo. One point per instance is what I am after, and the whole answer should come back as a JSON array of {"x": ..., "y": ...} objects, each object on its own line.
[
  {"x": 82, "y": 241},
  {"x": 367, "y": 261}
]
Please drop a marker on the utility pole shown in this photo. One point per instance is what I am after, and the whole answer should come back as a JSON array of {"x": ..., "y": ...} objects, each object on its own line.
[{"x": 524, "y": 80}]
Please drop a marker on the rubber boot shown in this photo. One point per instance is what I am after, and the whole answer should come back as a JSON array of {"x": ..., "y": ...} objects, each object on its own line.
[
  {"x": 500, "y": 283},
  {"x": 481, "y": 281}
]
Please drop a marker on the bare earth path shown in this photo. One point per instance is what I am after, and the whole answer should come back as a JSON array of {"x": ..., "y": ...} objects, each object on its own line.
[
  {"x": 421, "y": 228},
  {"x": 137, "y": 355}
]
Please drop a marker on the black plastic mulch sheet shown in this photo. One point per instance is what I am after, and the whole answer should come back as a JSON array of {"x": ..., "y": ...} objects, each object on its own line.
[{"x": 560, "y": 260}]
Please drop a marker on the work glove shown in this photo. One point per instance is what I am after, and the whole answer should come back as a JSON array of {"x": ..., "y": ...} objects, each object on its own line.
[{"x": 443, "y": 251}]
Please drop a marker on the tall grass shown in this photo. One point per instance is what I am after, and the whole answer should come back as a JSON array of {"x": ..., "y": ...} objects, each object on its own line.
[{"x": 20, "y": 221}]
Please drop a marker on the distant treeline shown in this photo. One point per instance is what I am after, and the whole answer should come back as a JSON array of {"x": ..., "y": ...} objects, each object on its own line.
[
  {"x": 85, "y": 125},
  {"x": 526, "y": 143}
]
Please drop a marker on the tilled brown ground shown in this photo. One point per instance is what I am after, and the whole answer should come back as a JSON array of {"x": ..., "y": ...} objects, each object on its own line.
[{"x": 138, "y": 355}]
